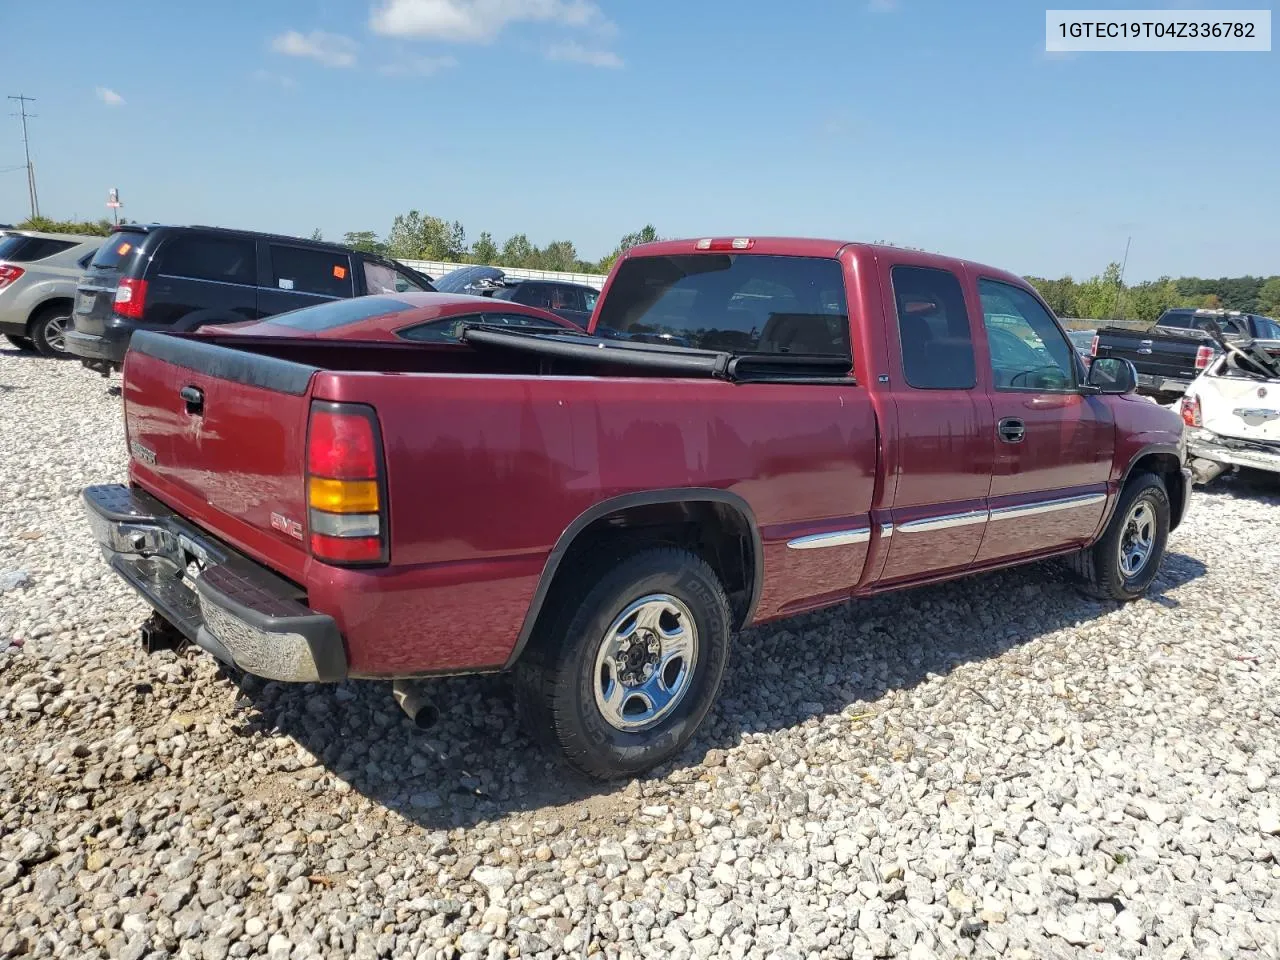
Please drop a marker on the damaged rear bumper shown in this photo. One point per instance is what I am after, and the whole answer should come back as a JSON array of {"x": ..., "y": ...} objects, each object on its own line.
[
  {"x": 222, "y": 601},
  {"x": 1256, "y": 455}
]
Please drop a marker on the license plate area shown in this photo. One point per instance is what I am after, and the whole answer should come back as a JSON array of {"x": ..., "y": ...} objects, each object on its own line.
[{"x": 85, "y": 302}]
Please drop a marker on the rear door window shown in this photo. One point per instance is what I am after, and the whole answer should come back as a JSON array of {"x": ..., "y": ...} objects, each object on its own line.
[
  {"x": 933, "y": 328},
  {"x": 311, "y": 271},
  {"x": 220, "y": 259},
  {"x": 737, "y": 303},
  {"x": 15, "y": 248}
]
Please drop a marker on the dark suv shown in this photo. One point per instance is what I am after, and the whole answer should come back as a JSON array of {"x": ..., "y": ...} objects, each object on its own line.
[
  {"x": 181, "y": 278},
  {"x": 569, "y": 301}
]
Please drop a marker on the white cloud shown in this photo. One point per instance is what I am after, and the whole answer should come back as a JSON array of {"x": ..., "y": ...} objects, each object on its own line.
[
  {"x": 331, "y": 49},
  {"x": 266, "y": 76},
  {"x": 418, "y": 67},
  {"x": 575, "y": 52},
  {"x": 478, "y": 21},
  {"x": 109, "y": 97}
]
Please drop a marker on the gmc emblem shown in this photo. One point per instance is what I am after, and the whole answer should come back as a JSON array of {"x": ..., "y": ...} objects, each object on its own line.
[{"x": 282, "y": 523}]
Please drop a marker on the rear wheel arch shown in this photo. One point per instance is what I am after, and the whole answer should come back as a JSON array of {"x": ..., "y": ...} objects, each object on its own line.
[
  {"x": 48, "y": 306},
  {"x": 41, "y": 316},
  {"x": 718, "y": 526}
]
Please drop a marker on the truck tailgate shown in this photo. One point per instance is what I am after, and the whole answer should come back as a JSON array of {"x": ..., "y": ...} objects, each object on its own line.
[{"x": 220, "y": 435}]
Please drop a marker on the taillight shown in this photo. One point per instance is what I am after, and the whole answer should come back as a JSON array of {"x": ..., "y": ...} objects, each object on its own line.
[
  {"x": 9, "y": 273},
  {"x": 1204, "y": 356},
  {"x": 1191, "y": 411},
  {"x": 131, "y": 298},
  {"x": 346, "y": 508},
  {"x": 1093, "y": 347}
]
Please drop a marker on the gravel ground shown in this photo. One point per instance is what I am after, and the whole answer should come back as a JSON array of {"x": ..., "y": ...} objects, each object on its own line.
[{"x": 995, "y": 767}]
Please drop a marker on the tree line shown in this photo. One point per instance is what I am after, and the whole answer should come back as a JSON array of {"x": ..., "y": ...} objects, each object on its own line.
[
  {"x": 418, "y": 236},
  {"x": 1106, "y": 297}
]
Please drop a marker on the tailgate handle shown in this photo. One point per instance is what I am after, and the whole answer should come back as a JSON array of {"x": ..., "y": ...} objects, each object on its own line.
[{"x": 194, "y": 399}]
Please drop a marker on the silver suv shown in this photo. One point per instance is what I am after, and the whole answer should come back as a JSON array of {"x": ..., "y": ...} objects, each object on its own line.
[{"x": 38, "y": 274}]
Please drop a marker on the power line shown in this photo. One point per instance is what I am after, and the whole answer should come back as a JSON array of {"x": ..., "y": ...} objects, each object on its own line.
[{"x": 31, "y": 170}]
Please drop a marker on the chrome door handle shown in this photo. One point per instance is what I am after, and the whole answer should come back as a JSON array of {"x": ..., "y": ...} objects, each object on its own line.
[{"x": 1011, "y": 430}]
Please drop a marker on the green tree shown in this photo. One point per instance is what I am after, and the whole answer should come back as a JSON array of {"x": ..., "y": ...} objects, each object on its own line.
[
  {"x": 316, "y": 234},
  {"x": 1269, "y": 297},
  {"x": 418, "y": 236},
  {"x": 646, "y": 234},
  {"x": 518, "y": 252},
  {"x": 364, "y": 240},
  {"x": 559, "y": 255},
  {"x": 87, "y": 228},
  {"x": 484, "y": 251}
]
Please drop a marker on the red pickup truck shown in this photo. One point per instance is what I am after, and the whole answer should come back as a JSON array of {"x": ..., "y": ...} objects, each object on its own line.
[{"x": 751, "y": 427}]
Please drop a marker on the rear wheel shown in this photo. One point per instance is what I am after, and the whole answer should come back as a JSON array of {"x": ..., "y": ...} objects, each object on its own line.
[
  {"x": 22, "y": 343},
  {"x": 619, "y": 681},
  {"x": 49, "y": 330},
  {"x": 1122, "y": 564}
]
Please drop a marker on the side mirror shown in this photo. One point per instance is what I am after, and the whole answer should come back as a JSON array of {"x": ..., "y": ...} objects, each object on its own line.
[{"x": 1112, "y": 375}]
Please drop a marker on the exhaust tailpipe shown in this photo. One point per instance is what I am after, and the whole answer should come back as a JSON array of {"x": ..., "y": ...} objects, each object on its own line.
[{"x": 417, "y": 706}]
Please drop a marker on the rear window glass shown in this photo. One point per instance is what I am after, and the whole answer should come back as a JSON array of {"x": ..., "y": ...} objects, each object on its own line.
[
  {"x": 339, "y": 313},
  {"x": 1267, "y": 329},
  {"x": 15, "y": 248},
  {"x": 119, "y": 248},
  {"x": 449, "y": 330},
  {"x": 740, "y": 303},
  {"x": 224, "y": 259},
  {"x": 1174, "y": 320},
  {"x": 311, "y": 271}
]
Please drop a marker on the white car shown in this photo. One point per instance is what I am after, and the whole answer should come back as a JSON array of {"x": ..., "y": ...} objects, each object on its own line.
[{"x": 1232, "y": 413}]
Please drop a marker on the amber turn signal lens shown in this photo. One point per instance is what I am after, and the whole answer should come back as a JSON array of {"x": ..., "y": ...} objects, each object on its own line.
[{"x": 343, "y": 496}]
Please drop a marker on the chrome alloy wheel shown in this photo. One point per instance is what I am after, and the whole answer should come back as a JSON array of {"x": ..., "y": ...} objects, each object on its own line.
[
  {"x": 1137, "y": 541},
  {"x": 646, "y": 662},
  {"x": 55, "y": 333}
]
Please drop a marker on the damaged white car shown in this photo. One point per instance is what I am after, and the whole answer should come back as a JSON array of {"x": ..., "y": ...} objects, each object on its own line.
[{"x": 1232, "y": 410}]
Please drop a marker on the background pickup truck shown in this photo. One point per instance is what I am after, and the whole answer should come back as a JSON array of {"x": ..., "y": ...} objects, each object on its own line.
[
  {"x": 1173, "y": 352},
  {"x": 601, "y": 513}
]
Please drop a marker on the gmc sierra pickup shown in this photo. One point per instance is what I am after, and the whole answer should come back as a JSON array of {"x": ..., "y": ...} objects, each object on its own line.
[{"x": 752, "y": 427}]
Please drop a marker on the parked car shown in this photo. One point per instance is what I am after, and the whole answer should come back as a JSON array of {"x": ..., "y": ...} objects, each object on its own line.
[
  {"x": 400, "y": 318},
  {"x": 1232, "y": 410},
  {"x": 1082, "y": 340},
  {"x": 601, "y": 514},
  {"x": 180, "y": 278},
  {"x": 1172, "y": 352},
  {"x": 38, "y": 273},
  {"x": 572, "y": 301}
]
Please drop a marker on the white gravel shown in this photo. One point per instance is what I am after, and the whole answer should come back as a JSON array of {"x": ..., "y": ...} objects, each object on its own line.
[{"x": 995, "y": 767}]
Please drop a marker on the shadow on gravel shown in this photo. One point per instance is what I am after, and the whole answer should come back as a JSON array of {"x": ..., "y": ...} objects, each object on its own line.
[
  {"x": 1257, "y": 485},
  {"x": 477, "y": 765}
]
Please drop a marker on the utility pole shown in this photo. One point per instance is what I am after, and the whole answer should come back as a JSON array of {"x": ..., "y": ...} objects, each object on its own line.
[
  {"x": 31, "y": 170},
  {"x": 1115, "y": 313}
]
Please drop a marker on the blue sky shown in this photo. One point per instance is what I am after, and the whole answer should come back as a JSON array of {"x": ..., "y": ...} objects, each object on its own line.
[{"x": 942, "y": 125}]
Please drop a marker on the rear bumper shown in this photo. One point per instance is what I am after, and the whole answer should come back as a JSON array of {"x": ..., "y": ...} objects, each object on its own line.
[
  {"x": 234, "y": 608},
  {"x": 89, "y": 346},
  {"x": 1208, "y": 446},
  {"x": 1163, "y": 384}
]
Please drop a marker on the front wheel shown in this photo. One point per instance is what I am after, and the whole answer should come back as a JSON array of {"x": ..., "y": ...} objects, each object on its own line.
[
  {"x": 1122, "y": 564},
  {"x": 621, "y": 680}
]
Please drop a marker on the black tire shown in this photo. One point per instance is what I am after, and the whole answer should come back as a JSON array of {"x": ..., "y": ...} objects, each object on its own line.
[
  {"x": 557, "y": 677},
  {"x": 1100, "y": 567},
  {"x": 47, "y": 342},
  {"x": 22, "y": 343}
]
